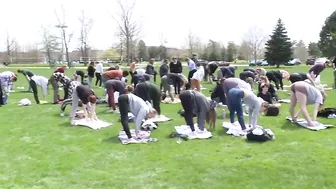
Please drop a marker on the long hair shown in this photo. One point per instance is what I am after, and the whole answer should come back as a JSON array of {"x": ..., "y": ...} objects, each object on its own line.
[{"x": 211, "y": 117}]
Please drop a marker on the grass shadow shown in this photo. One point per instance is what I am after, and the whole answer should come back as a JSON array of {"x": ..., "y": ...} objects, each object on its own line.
[
  {"x": 113, "y": 139},
  {"x": 290, "y": 126}
]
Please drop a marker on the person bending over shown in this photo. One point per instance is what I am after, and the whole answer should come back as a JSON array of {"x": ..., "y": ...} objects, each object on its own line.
[
  {"x": 164, "y": 69},
  {"x": 260, "y": 72},
  {"x": 61, "y": 69},
  {"x": 230, "y": 83},
  {"x": 263, "y": 79},
  {"x": 194, "y": 102},
  {"x": 264, "y": 94},
  {"x": 139, "y": 109},
  {"x": 276, "y": 77},
  {"x": 28, "y": 74},
  {"x": 227, "y": 72},
  {"x": 149, "y": 92},
  {"x": 316, "y": 70},
  {"x": 12, "y": 76},
  {"x": 245, "y": 74},
  {"x": 250, "y": 69},
  {"x": 166, "y": 85},
  {"x": 299, "y": 76},
  {"x": 79, "y": 73},
  {"x": 305, "y": 94},
  {"x": 212, "y": 67},
  {"x": 217, "y": 94},
  {"x": 112, "y": 86},
  {"x": 178, "y": 81},
  {"x": 150, "y": 70},
  {"x": 6, "y": 82},
  {"x": 112, "y": 74},
  {"x": 43, "y": 83},
  {"x": 88, "y": 99},
  {"x": 255, "y": 105},
  {"x": 195, "y": 81},
  {"x": 139, "y": 78}
]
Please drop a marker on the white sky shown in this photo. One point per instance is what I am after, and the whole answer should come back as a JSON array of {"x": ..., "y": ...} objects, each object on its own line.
[{"x": 221, "y": 20}]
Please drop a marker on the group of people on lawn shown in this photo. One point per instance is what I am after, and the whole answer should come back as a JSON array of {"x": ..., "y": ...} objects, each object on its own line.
[{"x": 229, "y": 90}]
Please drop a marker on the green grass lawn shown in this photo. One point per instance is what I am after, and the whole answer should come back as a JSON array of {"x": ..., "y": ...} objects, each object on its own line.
[{"x": 41, "y": 150}]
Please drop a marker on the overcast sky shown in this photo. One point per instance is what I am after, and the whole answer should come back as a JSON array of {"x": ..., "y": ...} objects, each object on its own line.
[{"x": 221, "y": 20}]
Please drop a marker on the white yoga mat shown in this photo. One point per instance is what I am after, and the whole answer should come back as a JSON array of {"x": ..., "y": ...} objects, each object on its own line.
[
  {"x": 284, "y": 100},
  {"x": 168, "y": 101},
  {"x": 304, "y": 123},
  {"x": 159, "y": 118},
  {"x": 144, "y": 137},
  {"x": 234, "y": 129},
  {"x": 328, "y": 89},
  {"x": 185, "y": 130},
  {"x": 95, "y": 125}
]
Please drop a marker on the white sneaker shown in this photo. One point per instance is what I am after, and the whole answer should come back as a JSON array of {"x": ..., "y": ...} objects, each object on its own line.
[
  {"x": 192, "y": 135},
  {"x": 132, "y": 141},
  {"x": 116, "y": 111},
  {"x": 62, "y": 114}
]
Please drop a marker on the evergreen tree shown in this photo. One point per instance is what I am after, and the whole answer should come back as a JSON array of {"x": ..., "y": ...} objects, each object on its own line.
[
  {"x": 327, "y": 42},
  {"x": 279, "y": 47}
]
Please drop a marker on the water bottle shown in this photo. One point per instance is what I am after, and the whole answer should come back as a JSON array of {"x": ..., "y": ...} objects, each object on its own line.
[{"x": 223, "y": 113}]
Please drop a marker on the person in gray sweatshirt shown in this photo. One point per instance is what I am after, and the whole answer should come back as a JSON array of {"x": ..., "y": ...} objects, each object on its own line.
[
  {"x": 254, "y": 104},
  {"x": 138, "y": 107},
  {"x": 194, "y": 102},
  {"x": 233, "y": 82}
]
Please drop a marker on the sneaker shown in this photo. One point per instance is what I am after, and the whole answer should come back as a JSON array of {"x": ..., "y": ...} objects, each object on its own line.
[
  {"x": 62, "y": 114},
  {"x": 132, "y": 141},
  {"x": 192, "y": 135}
]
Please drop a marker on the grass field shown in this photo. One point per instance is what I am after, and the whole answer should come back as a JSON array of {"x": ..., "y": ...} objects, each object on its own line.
[{"x": 41, "y": 150}]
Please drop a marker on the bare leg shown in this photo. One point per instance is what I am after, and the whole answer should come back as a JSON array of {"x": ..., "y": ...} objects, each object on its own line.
[
  {"x": 302, "y": 100},
  {"x": 293, "y": 102}
]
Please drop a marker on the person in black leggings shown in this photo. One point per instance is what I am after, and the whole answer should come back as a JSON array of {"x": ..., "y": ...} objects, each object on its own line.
[
  {"x": 149, "y": 92},
  {"x": 194, "y": 102},
  {"x": 212, "y": 67},
  {"x": 129, "y": 102},
  {"x": 276, "y": 77},
  {"x": 295, "y": 77},
  {"x": 150, "y": 70},
  {"x": 245, "y": 74},
  {"x": 217, "y": 94},
  {"x": 136, "y": 78}
]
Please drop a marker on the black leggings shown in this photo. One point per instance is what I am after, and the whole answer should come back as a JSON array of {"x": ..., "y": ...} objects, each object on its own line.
[
  {"x": 98, "y": 76},
  {"x": 187, "y": 103},
  {"x": 295, "y": 78},
  {"x": 212, "y": 68},
  {"x": 275, "y": 78},
  {"x": 34, "y": 88},
  {"x": 123, "y": 108},
  {"x": 190, "y": 75},
  {"x": 143, "y": 91},
  {"x": 177, "y": 84},
  {"x": 1, "y": 94}
]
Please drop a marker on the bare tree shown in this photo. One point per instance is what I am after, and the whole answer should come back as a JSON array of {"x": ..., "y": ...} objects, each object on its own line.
[
  {"x": 256, "y": 39},
  {"x": 66, "y": 38},
  {"x": 86, "y": 26},
  {"x": 10, "y": 46},
  {"x": 129, "y": 29},
  {"x": 191, "y": 43},
  {"x": 50, "y": 44}
]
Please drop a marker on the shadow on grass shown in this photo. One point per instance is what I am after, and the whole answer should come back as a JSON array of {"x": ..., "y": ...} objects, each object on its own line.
[
  {"x": 113, "y": 139},
  {"x": 290, "y": 126}
]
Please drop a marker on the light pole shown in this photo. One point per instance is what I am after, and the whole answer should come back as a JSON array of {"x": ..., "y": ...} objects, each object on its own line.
[{"x": 62, "y": 27}]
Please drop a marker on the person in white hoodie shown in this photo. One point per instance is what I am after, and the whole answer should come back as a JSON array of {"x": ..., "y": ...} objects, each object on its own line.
[
  {"x": 41, "y": 81},
  {"x": 99, "y": 72},
  {"x": 138, "y": 107},
  {"x": 195, "y": 81}
]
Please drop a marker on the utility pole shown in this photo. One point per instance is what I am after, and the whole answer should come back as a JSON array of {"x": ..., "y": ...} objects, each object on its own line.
[{"x": 62, "y": 28}]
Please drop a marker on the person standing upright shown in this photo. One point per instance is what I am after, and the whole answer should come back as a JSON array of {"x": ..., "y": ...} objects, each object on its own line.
[
  {"x": 99, "y": 71},
  {"x": 91, "y": 72}
]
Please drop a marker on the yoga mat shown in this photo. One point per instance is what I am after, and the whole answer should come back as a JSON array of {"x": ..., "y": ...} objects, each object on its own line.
[
  {"x": 159, "y": 118},
  {"x": 284, "y": 100},
  {"x": 144, "y": 137},
  {"x": 234, "y": 129},
  {"x": 168, "y": 101},
  {"x": 303, "y": 123},
  {"x": 95, "y": 125},
  {"x": 185, "y": 130}
]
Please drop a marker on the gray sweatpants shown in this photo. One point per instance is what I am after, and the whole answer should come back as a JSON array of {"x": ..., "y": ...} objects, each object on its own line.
[{"x": 75, "y": 101}]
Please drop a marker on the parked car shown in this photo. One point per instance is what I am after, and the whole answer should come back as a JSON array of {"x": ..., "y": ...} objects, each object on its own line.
[
  {"x": 321, "y": 61},
  {"x": 293, "y": 62},
  {"x": 264, "y": 63},
  {"x": 258, "y": 63},
  {"x": 310, "y": 61}
]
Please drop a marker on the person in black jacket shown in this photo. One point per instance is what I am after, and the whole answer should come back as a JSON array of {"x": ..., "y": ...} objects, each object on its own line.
[
  {"x": 263, "y": 79},
  {"x": 163, "y": 70},
  {"x": 276, "y": 77},
  {"x": 91, "y": 72},
  {"x": 175, "y": 66},
  {"x": 150, "y": 70},
  {"x": 264, "y": 94}
]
